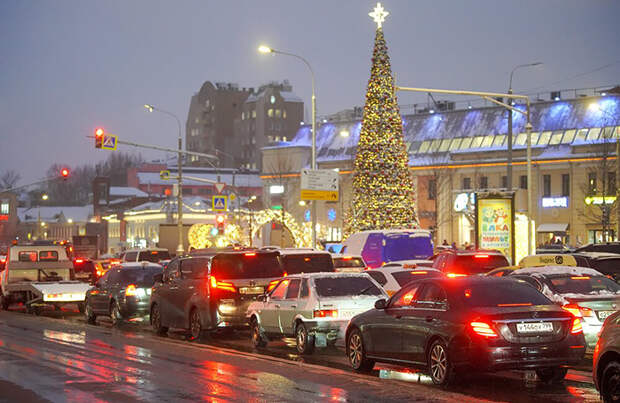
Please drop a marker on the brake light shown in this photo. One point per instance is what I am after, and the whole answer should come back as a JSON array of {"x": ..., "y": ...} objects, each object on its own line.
[
  {"x": 483, "y": 329},
  {"x": 153, "y": 252},
  {"x": 419, "y": 272},
  {"x": 576, "y": 328},
  {"x": 578, "y": 311},
  {"x": 326, "y": 313},
  {"x": 222, "y": 285},
  {"x": 285, "y": 274},
  {"x": 580, "y": 278},
  {"x": 481, "y": 256},
  {"x": 454, "y": 275},
  {"x": 467, "y": 293},
  {"x": 306, "y": 259},
  {"x": 250, "y": 254},
  {"x": 79, "y": 260},
  {"x": 521, "y": 304},
  {"x": 130, "y": 291}
]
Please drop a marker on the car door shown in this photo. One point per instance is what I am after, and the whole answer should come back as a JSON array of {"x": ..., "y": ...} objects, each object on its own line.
[
  {"x": 385, "y": 329},
  {"x": 289, "y": 306},
  {"x": 270, "y": 314},
  {"x": 190, "y": 271},
  {"x": 427, "y": 317},
  {"x": 165, "y": 293},
  {"x": 96, "y": 295}
]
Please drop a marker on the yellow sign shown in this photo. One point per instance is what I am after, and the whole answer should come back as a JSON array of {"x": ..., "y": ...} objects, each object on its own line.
[
  {"x": 494, "y": 225},
  {"x": 600, "y": 200},
  {"x": 548, "y": 260},
  {"x": 164, "y": 175},
  {"x": 329, "y": 195}
]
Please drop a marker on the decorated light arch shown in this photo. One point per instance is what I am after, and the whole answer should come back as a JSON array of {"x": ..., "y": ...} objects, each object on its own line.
[
  {"x": 199, "y": 236},
  {"x": 259, "y": 218}
]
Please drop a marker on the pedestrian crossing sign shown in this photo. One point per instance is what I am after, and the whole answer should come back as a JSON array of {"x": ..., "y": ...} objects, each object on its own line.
[
  {"x": 220, "y": 203},
  {"x": 109, "y": 142}
]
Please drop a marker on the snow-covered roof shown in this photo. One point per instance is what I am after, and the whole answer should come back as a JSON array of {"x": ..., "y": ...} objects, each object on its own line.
[
  {"x": 191, "y": 204},
  {"x": 241, "y": 180},
  {"x": 119, "y": 191},
  {"x": 557, "y": 270},
  {"x": 55, "y": 213}
]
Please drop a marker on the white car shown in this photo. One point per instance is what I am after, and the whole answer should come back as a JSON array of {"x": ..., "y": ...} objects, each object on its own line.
[
  {"x": 315, "y": 308},
  {"x": 410, "y": 264},
  {"x": 348, "y": 263},
  {"x": 393, "y": 277}
]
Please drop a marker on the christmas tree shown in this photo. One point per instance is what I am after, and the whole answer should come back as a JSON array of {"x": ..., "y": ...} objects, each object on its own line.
[{"x": 382, "y": 186}]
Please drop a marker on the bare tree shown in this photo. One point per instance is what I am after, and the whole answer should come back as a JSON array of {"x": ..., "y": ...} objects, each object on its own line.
[
  {"x": 9, "y": 179},
  {"x": 437, "y": 185},
  {"x": 279, "y": 168}
]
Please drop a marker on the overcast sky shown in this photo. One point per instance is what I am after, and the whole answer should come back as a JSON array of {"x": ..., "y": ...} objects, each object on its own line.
[{"x": 67, "y": 66}]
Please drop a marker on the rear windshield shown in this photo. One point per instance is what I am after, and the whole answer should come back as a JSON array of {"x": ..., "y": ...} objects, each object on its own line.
[
  {"x": 583, "y": 285},
  {"x": 246, "y": 265},
  {"x": 406, "y": 276},
  {"x": 41, "y": 256},
  {"x": 477, "y": 264},
  {"x": 348, "y": 262},
  {"x": 153, "y": 256},
  {"x": 505, "y": 293},
  {"x": 407, "y": 247},
  {"x": 307, "y": 263},
  {"x": 345, "y": 286},
  {"x": 140, "y": 277}
]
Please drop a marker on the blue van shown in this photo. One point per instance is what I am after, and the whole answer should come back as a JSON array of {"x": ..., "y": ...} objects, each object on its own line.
[{"x": 380, "y": 247}]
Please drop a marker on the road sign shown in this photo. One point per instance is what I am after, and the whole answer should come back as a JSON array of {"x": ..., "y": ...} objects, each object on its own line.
[
  {"x": 219, "y": 187},
  {"x": 109, "y": 142},
  {"x": 220, "y": 203},
  {"x": 319, "y": 184},
  {"x": 165, "y": 174},
  {"x": 232, "y": 197}
]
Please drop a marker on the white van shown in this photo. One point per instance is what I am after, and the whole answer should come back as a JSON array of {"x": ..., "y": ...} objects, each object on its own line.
[{"x": 382, "y": 246}]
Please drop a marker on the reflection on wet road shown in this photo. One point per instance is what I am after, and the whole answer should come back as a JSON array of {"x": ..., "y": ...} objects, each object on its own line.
[{"x": 66, "y": 360}]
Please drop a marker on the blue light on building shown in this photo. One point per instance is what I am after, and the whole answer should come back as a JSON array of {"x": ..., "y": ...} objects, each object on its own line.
[
  {"x": 331, "y": 214},
  {"x": 307, "y": 216}
]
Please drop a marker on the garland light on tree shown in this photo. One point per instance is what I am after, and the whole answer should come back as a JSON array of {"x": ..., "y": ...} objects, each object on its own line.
[{"x": 382, "y": 186}]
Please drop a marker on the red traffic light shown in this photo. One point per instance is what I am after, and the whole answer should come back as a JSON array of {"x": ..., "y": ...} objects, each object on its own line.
[
  {"x": 99, "y": 134},
  {"x": 64, "y": 173}
]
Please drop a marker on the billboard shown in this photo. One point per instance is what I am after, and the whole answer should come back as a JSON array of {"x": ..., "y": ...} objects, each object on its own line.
[{"x": 495, "y": 224}]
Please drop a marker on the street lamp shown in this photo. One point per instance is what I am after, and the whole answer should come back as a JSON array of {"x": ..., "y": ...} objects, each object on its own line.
[
  {"x": 509, "y": 162},
  {"x": 44, "y": 197},
  {"x": 152, "y": 108},
  {"x": 267, "y": 49}
]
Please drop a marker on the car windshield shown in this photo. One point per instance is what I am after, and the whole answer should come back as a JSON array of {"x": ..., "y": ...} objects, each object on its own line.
[
  {"x": 407, "y": 247},
  {"x": 567, "y": 284},
  {"x": 504, "y": 293},
  {"x": 140, "y": 277},
  {"x": 153, "y": 256},
  {"x": 345, "y": 286},
  {"x": 348, "y": 262},
  {"x": 246, "y": 265},
  {"x": 478, "y": 263},
  {"x": 307, "y": 263},
  {"x": 406, "y": 276}
]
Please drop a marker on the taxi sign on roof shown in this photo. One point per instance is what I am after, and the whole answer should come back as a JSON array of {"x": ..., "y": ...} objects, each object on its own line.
[{"x": 548, "y": 260}]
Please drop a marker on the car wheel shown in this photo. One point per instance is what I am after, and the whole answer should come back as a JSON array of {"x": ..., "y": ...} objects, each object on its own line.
[
  {"x": 610, "y": 382},
  {"x": 552, "y": 374},
  {"x": 357, "y": 354},
  {"x": 439, "y": 365},
  {"x": 90, "y": 316},
  {"x": 305, "y": 342},
  {"x": 195, "y": 326},
  {"x": 258, "y": 339},
  {"x": 115, "y": 314},
  {"x": 156, "y": 321}
]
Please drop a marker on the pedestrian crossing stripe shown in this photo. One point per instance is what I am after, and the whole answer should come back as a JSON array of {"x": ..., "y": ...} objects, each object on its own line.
[{"x": 219, "y": 203}]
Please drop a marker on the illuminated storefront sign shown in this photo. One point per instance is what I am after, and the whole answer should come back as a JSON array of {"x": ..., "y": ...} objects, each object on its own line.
[
  {"x": 555, "y": 202},
  {"x": 495, "y": 225},
  {"x": 600, "y": 200}
]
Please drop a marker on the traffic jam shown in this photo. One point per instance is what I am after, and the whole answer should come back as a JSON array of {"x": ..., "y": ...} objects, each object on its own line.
[{"x": 441, "y": 312}]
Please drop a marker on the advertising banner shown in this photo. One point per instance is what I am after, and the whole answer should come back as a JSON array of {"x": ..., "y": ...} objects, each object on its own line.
[{"x": 495, "y": 224}]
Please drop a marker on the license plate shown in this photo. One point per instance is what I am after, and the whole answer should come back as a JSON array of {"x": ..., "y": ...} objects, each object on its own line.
[
  {"x": 540, "y": 327},
  {"x": 602, "y": 315},
  {"x": 251, "y": 290}
]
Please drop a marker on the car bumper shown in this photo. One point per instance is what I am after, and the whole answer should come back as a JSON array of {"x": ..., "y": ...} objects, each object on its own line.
[
  {"x": 232, "y": 313},
  {"x": 134, "y": 307}
]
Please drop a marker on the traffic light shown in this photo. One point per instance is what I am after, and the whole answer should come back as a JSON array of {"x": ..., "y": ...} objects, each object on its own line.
[
  {"x": 99, "y": 134},
  {"x": 220, "y": 224},
  {"x": 64, "y": 173}
]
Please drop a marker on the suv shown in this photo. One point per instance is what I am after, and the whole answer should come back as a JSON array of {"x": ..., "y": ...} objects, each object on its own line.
[
  {"x": 457, "y": 263},
  {"x": 608, "y": 247},
  {"x": 606, "y": 360},
  {"x": 305, "y": 260},
  {"x": 206, "y": 292},
  {"x": 606, "y": 263},
  {"x": 153, "y": 255}
]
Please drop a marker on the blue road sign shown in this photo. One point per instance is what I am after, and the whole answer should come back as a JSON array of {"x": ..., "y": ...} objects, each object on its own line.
[{"x": 220, "y": 203}]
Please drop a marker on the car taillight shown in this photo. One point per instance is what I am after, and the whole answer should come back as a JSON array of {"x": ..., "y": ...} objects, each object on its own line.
[
  {"x": 481, "y": 256},
  {"x": 79, "y": 260},
  {"x": 576, "y": 328},
  {"x": 454, "y": 275},
  {"x": 222, "y": 285},
  {"x": 131, "y": 291},
  {"x": 578, "y": 311},
  {"x": 483, "y": 329},
  {"x": 250, "y": 254},
  {"x": 419, "y": 272},
  {"x": 326, "y": 313}
]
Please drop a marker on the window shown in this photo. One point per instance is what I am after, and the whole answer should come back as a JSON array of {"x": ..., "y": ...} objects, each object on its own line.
[
  {"x": 484, "y": 182},
  {"x": 456, "y": 143},
  {"x": 521, "y": 139},
  {"x": 499, "y": 141},
  {"x": 544, "y": 138},
  {"x": 432, "y": 297},
  {"x": 475, "y": 143},
  {"x": 611, "y": 183},
  {"x": 4, "y": 207},
  {"x": 283, "y": 138},
  {"x": 486, "y": 143},
  {"x": 592, "y": 182},
  {"x": 304, "y": 289},
  {"x": 242, "y": 115},
  {"x": 565, "y": 185},
  {"x": 283, "y": 113},
  {"x": 278, "y": 113},
  {"x": 466, "y": 183},
  {"x": 556, "y": 138},
  {"x": 523, "y": 182},
  {"x": 445, "y": 143},
  {"x": 270, "y": 112},
  {"x": 404, "y": 297},
  {"x": 378, "y": 277},
  {"x": 432, "y": 189},
  {"x": 535, "y": 138},
  {"x": 254, "y": 113},
  {"x": 293, "y": 289},
  {"x": 504, "y": 184},
  {"x": 435, "y": 145},
  {"x": 569, "y": 136},
  {"x": 581, "y": 135},
  {"x": 594, "y": 134},
  {"x": 466, "y": 143},
  {"x": 345, "y": 286},
  {"x": 279, "y": 291},
  {"x": 546, "y": 185},
  {"x": 424, "y": 147}
]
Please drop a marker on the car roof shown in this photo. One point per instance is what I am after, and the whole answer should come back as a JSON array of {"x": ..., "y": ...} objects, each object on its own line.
[
  {"x": 394, "y": 269},
  {"x": 557, "y": 270},
  {"x": 470, "y": 252},
  {"x": 302, "y": 251},
  {"x": 597, "y": 255},
  {"x": 145, "y": 249},
  {"x": 138, "y": 265},
  {"x": 343, "y": 255},
  {"x": 325, "y": 274}
]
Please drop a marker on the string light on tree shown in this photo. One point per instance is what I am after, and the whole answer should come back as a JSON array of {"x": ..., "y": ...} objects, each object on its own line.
[{"x": 382, "y": 185}]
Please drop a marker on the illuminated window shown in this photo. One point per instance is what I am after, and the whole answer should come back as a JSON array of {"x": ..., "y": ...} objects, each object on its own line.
[
  {"x": 283, "y": 113},
  {"x": 278, "y": 113},
  {"x": 456, "y": 143},
  {"x": 435, "y": 145},
  {"x": 521, "y": 139},
  {"x": 535, "y": 136},
  {"x": 466, "y": 143},
  {"x": 569, "y": 136},
  {"x": 424, "y": 147},
  {"x": 270, "y": 112},
  {"x": 242, "y": 115},
  {"x": 486, "y": 143},
  {"x": 254, "y": 113},
  {"x": 594, "y": 134},
  {"x": 544, "y": 138},
  {"x": 445, "y": 143},
  {"x": 4, "y": 207},
  {"x": 556, "y": 138},
  {"x": 476, "y": 142},
  {"x": 499, "y": 140},
  {"x": 592, "y": 182},
  {"x": 607, "y": 133},
  {"x": 617, "y": 132}
]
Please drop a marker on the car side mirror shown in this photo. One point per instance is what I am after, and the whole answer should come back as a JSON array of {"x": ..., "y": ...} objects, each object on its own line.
[
  {"x": 159, "y": 278},
  {"x": 381, "y": 304}
]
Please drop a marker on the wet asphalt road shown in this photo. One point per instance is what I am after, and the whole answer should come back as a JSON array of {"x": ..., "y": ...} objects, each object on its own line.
[{"x": 57, "y": 357}]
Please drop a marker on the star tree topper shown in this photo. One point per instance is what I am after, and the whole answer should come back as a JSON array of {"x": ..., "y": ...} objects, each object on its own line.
[{"x": 379, "y": 14}]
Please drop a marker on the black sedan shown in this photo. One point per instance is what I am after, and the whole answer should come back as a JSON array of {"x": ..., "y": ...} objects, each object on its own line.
[
  {"x": 122, "y": 293},
  {"x": 480, "y": 323}
]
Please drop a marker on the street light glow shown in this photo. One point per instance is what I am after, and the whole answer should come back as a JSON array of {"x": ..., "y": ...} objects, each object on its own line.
[
  {"x": 595, "y": 107},
  {"x": 264, "y": 49},
  {"x": 44, "y": 197},
  {"x": 149, "y": 107},
  {"x": 344, "y": 133}
]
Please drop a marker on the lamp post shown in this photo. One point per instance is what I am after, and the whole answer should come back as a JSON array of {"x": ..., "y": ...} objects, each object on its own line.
[
  {"x": 152, "y": 108},
  {"x": 267, "y": 49},
  {"x": 509, "y": 161}
]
